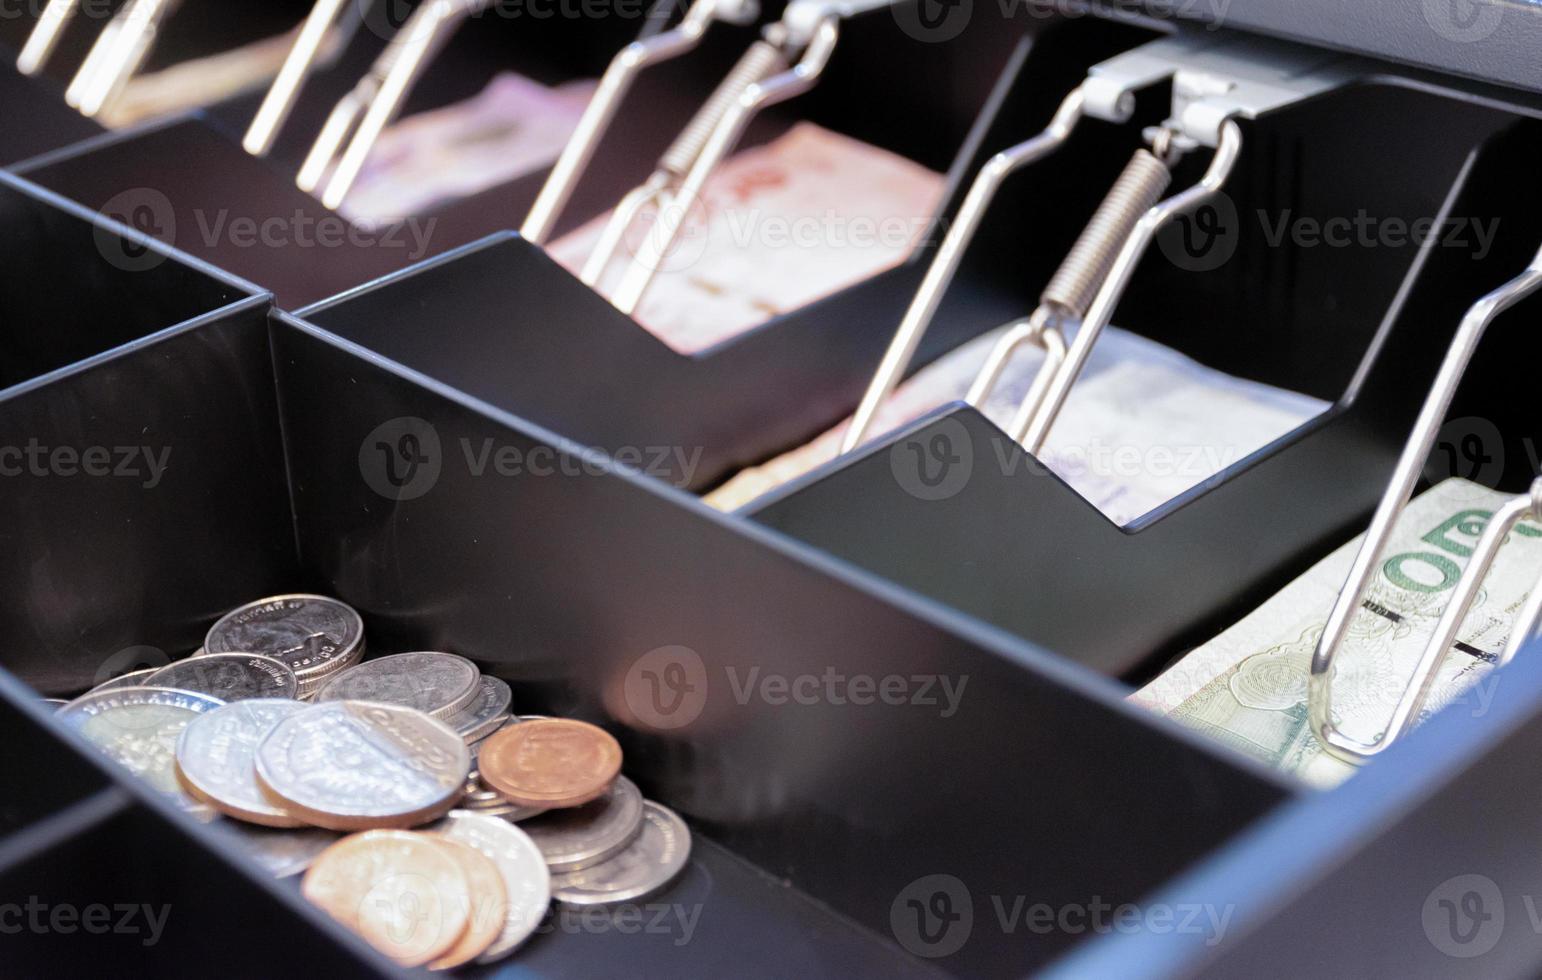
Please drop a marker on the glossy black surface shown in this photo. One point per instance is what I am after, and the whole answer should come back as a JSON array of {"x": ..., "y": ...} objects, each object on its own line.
[{"x": 1364, "y": 326}]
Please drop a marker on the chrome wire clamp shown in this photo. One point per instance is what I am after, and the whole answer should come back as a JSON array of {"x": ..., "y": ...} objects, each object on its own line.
[
  {"x": 1399, "y": 491},
  {"x": 44, "y": 37},
  {"x": 298, "y": 65},
  {"x": 379, "y": 96},
  {"x": 117, "y": 55},
  {"x": 1076, "y": 283},
  {"x": 939, "y": 275},
  {"x": 1039, "y": 331},
  {"x": 1138, "y": 238},
  {"x": 761, "y": 61},
  {"x": 809, "y": 25},
  {"x": 1527, "y": 623},
  {"x": 608, "y": 96},
  {"x": 1405, "y": 715},
  {"x": 1215, "y": 83}
]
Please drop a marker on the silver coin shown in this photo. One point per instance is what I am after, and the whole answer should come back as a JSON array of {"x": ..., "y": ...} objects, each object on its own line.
[
  {"x": 512, "y": 812},
  {"x": 352, "y": 765},
  {"x": 490, "y": 803},
  {"x": 230, "y": 677},
  {"x": 217, "y": 753},
  {"x": 310, "y": 633},
  {"x": 282, "y": 853},
  {"x": 487, "y": 713},
  {"x": 134, "y": 678},
  {"x": 658, "y": 853},
  {"x": 138, "y": 728},
  {"x": 525, "y": 877},
  {"x": 312, "y": 683},
  {"x": 437, "y": 684},
  {"x": 581, "y": 837}
]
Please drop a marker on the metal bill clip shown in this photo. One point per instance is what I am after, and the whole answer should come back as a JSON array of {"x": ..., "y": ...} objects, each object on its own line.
[
  {"x": 45, "y": 34},
  {"x": 785, "y": 63},
  {"x": 1399, "y": 491},
  {"x": 613, "y": 88},
  {"x": 1213, "y": 81},
  {"x": 298, "y": 64},
  {"x": 118, "y": 53},
  {"x": 363, "y": 114}
]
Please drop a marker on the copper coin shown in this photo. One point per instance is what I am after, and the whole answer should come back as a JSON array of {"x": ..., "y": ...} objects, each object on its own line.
[
  {"x": 550, "y": 763},
  {"x": 488, "y": 904},
  {"x": 402, "y": 892}
]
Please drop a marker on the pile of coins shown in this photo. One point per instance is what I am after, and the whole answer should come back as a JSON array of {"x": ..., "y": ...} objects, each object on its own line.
[{"x": 297, "y": 741}]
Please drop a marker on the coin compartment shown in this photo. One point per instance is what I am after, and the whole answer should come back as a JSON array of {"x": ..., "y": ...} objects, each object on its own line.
[
  {"x": 1013, "y": 544},
  {"x": 535, "y": 329},
  {"x": 119, "y": 879},
  {"x": 558, "y": 569},
  {"x": 39, "y": 761},
  {"x": 137, "y": 413}
]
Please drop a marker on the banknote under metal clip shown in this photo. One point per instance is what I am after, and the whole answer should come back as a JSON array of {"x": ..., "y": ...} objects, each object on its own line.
[
  {"x": 786, "y": 62},
  {"x": 362, "y": 115},
  {"x": 1399, "y": 490},
  {"x": 1213, "y": 82},
  {"x": 617, "y": 81}
]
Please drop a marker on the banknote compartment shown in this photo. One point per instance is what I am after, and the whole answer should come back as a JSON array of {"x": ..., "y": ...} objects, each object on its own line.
[
  {"x": 137, "y": 410},
  {"x": 502, "y": 321},
  {"x": 195, "y": 29},
  {"x": 1015, "y": 546},
  {"x": 210, "y": 188},
  {"x": 1302, "y": 888}
]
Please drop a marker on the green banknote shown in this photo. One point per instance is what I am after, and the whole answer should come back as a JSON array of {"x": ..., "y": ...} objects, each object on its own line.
[{"x": 1247, "y": 687}]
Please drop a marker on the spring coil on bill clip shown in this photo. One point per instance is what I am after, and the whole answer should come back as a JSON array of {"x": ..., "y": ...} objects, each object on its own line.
[
  {"x": 761, "y": 61},
  {"x": 1399, "y": 490},
  {"x": 613, "y": 87},
  {"x": 1075, "y": 284},
  {"x": 1228, "y": 147}
]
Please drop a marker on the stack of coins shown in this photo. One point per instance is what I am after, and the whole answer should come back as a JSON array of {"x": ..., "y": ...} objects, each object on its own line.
[
  {"x": 334, "y": 785},
  {"x": 469, "y": 888},
  {"x": 602, "y": 841},
  {"x": 315, "y": 636},
  {"x": 481, "y": 799}
]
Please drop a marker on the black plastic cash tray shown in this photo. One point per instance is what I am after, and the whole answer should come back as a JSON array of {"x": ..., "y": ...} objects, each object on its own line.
[{"x": 252, "y": 452}]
